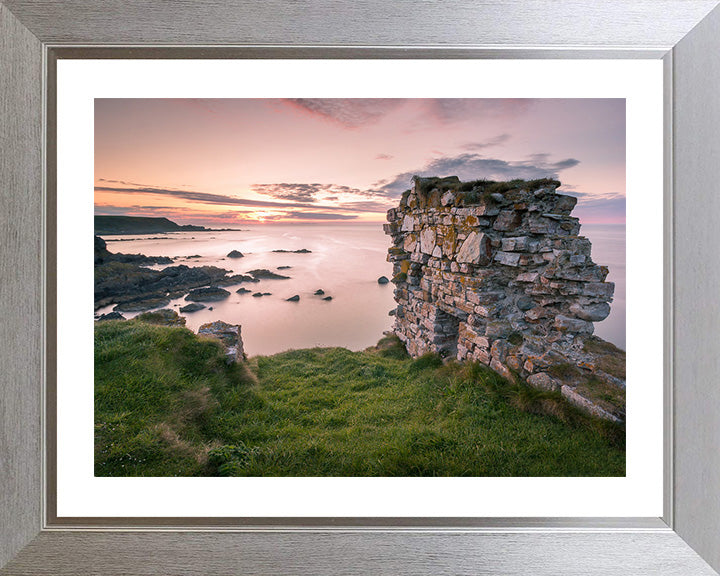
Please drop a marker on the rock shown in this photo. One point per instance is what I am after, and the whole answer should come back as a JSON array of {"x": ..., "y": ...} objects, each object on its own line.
[
  {"x": 543, "y": 381},
  {"x": 235, "y": 254},
  {"x": 495, "y": 272},
  {"x": 284, "y": 267},
  {"x": 320, "y": 292},
  {"x": 524, "y": 303},
  {"x": 209, "y": 294},
  {"x": 142, "y": 305},
  {"x": 591, "y": 312},
  {"x": 328, "y": 298},
  {"x": 111, "y": 316},
  {"x": 194, "y": 307},
  {"x": 243, "y": 291},
  {"x": 264, "y": 274},
  {"x": 230, "y": 337},
  {"x": 261, "y": 294},
  {"x": 383, "y": 280},
  {"x": 508, "y": 258},
  {"x": 301, "y": 251},
  {"x": 427, "y": 240},
  {"x": 407, "y": 224},
  {"x": 162, "y": 317},
  {"x": 295, "y": 298},
  {"x": 586, "y": 404},
  {"x": 475, "y": 249},
  {"x": 507, "y": 220},
  {"x": 566, "y": 324}
]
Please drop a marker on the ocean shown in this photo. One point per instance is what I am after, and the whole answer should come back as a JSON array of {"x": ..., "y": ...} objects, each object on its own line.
[{"x": 345, "y": 261}]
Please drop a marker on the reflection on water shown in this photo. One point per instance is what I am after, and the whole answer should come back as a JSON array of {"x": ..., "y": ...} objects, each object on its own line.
[{"x": 345, "y": 261}]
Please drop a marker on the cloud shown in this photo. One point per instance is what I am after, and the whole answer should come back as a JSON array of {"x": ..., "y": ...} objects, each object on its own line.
[
  {"x": 307, "y": 193},
  {"x": 470, "y": 166},
  {"x": 384, "y": 157},
  {"x": 319, "y": 216},
  {"x": 208, "y": 198},
  {"x": 451, "y": 110},
  {"x": 349, "y": 112},
  {"x": 496, "y": 141}
]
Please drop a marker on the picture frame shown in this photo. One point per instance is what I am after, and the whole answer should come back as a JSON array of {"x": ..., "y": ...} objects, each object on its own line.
[{"x": 683, "y": 33}]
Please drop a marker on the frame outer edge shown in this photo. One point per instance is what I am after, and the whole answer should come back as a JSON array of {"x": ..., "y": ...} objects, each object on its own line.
[
  {"x": 21, "y": 332},
  {"x": 696, "y": 113}
]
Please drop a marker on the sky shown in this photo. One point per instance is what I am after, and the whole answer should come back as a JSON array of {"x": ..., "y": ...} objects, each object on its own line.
[{"x": 228, "y": 162}]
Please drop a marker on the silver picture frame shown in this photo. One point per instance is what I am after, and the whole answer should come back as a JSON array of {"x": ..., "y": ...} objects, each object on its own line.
[{"x": 684, "y": 34}]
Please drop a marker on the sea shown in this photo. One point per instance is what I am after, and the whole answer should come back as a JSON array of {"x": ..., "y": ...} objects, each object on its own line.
[{"x": 345, "y": 262}]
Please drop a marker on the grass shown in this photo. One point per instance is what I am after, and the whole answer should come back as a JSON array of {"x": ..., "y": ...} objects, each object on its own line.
[
  {"x": 478, "y": 191},
  {"x": 166, "y": 404}
]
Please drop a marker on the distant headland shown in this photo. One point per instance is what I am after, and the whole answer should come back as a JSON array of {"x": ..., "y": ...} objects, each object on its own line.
[{"x": 145, "y": 225}]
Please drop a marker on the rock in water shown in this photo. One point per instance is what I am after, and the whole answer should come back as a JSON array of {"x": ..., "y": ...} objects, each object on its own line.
[
  {"x": 243, "y": 291},
  {"x": 319, "y": 292},
  {"x": 194, "y": 307},
  {"x": 229, "y": 335},
  {"x": 263, "y": 274},
  {"x": 383, "y": 280},
  {"x": 235, "y": 254},
  {"x": 209, "y": 294},
  {"x": 111, "y": 316},
  {"x": 327, "y": 298},
  {"x": 162, "y": 317},
  {"x": 295, "y": 298}
]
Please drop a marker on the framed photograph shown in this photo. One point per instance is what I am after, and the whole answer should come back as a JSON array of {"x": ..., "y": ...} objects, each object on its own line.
[{"x": 359, "y": 307}]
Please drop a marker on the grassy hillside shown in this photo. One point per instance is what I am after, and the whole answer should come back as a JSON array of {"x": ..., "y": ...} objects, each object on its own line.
[{"x": 167, "y": 404}]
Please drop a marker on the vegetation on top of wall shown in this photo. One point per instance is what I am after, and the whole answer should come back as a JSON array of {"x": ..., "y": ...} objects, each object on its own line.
[{"x": 474, "y": 191}]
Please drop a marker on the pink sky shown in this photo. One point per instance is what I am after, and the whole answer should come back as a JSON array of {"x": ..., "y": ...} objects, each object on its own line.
[{"x": 228, "y": 162}]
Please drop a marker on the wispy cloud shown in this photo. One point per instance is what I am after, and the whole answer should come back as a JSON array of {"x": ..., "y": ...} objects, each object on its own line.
[
  {"x": 357, "y": 112},
  {"x": 217, "y": 199},
  {"x": 496, "y": 141},
  {"x": 349, "y": 112},
  {"x": 384, "y": 157}
]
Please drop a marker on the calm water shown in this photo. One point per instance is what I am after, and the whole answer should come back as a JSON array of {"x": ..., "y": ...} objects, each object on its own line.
[
  {"x": 608, "y": 249},
  {"x": 345, "y": 262}
]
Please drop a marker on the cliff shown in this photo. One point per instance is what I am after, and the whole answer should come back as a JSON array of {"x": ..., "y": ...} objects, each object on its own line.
[
  {"x": 140, "y": 225},
  {"x": 496, "y": 272}
]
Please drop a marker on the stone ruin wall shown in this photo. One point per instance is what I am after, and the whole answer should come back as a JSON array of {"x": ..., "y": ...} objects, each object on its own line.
[{"x": 497, "y": 273}]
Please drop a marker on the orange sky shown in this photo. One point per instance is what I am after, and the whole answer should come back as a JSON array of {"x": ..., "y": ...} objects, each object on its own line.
[{"x": 229, "y": 162}]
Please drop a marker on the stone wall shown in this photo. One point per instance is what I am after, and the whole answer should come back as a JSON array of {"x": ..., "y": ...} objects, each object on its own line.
[{"x": 496, "y": 272}]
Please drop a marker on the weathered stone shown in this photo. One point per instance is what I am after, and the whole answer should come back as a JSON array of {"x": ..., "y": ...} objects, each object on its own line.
[
  {"x": 408, "y": 223},
  {"x": 507, "y": 220},
  {"x": 591, "y": 312},
  {"x": 505, "y": 282},
  {"x": 508, "y": 258},
  {"x": 381, "y": 280},
  {"x": 567, "y": 324},
  {"x": 524, "y": 303},
  {"x": 543, "y": 381},
  {"x": 229, "y": 336},
  {"x": 235, "y": 254},
  {"x": 586, "y": 404},
  {"x": 427, "y": 240},
  {"x": 474, "y": 250}
]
